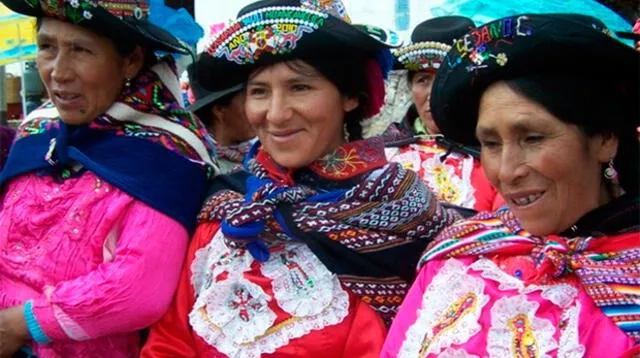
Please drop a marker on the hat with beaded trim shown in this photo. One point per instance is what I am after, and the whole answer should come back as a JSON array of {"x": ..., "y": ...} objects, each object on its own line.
[
  {"x": 112, "y": 18},
  {"x": 270, "y": 31},
  {"x": 430, "y": 42},
  {"x": 525, "y": 45}
]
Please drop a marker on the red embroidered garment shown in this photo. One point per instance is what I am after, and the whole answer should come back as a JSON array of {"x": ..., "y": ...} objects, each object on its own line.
[
  {"x": 455, "y": 177},
  {"x": 305, "y": 263}
]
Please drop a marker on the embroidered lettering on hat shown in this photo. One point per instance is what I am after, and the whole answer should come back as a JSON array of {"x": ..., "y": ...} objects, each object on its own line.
[
  {"x": 271, "y": 30},
  {"x": 476, "y": 44}
]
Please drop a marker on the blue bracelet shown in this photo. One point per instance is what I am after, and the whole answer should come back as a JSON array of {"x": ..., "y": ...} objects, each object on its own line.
[{"x": 33, "y": 326}]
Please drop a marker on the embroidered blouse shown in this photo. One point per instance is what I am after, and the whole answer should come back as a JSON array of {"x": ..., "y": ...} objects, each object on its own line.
[
  {"x": 455, "y": 177},
  {"x": 94, "y": 264},
  {"x": 489, "y": 289},
  {"x": 230, "y": 305}
]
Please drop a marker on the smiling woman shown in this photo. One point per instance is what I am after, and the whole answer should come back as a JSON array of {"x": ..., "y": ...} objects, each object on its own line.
[
  {"x": 281, "y": 269},
  {"x": 92, "y": 230},
  {"x": 556, "y": 272},
  {"x": 299, "y": 114}
]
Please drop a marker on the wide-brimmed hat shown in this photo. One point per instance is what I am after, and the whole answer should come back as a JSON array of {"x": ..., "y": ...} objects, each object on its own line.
[
  {"x": 269, "y": 31},
  {"x": 126, "y": 19},
  {"x": 203, "y": 97},
  {"x": 430, "y": 42},
  {"x": 526, "y": 45}
]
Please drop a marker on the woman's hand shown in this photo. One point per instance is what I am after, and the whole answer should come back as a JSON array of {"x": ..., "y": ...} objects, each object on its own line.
[{"x": 13, "y": 331}]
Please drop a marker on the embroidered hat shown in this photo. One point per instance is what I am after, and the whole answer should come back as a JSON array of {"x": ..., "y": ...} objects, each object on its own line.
[
  {"x": 113, "y": 18},
  {"x": 203, "y": 97},
  {"x": 269, "y": 31},
  {"x": 430, "y": 42},
  {"x": 525, "y": 45}
]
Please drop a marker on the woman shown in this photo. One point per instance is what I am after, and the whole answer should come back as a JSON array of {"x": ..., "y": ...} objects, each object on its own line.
[
  {"x": 556, "y": 273},
  {"x": 307, "y": 262},
  {"x": 451, "y": 171},
  {"x": 223, "y": 113},
  {"x": 94, "y": 223}
]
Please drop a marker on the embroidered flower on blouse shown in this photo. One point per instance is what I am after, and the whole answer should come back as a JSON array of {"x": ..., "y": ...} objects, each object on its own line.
[{"x": 87, "y": 15}]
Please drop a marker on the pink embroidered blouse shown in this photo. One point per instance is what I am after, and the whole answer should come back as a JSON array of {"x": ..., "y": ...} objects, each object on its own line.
[
  {"x": 477, "y": 307},
  {"x": 96, "y": 264}
]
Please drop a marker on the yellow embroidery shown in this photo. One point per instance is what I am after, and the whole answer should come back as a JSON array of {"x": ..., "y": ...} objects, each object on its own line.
[{"x": 451, "y": 316}]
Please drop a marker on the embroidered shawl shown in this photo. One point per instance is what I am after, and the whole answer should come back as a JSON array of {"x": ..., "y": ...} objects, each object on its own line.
[
  {"x": 367, "y": 220},
  {"x": 606, "y": 263},
  {"x": 146, "y": 144}
]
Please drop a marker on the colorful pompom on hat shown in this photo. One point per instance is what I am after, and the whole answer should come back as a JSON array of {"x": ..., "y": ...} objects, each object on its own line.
[
  {"x": 529, "y": 45},
  {"x": 112, "y": 18},
  {"x": 270, "y": 31},
  {"x": 430, "y": 42}
]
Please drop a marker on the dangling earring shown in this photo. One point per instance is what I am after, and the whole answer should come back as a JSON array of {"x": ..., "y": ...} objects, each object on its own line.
[
  {"x": 611, "y": 173},
  {"x": 346, "y": 132},
  {"x": 127, "y": 82}
]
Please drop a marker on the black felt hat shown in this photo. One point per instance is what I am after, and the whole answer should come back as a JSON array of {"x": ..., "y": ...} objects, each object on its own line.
[
  {"x": 526, "y": 45},
  {"x": 114, "y": 19},
  {"x": 203, "y": 97},
  {"x": 430, "y": 42},
  {"x": 270, "y": 31}
]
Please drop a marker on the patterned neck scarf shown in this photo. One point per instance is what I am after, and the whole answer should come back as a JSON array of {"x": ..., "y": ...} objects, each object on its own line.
[
  {"x": 608, "y": 266},
  {"x": 354, "y": 210}
]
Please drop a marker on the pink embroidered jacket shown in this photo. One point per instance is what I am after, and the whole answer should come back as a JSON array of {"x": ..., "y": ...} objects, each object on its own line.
[{"x": 96, "y": 264}]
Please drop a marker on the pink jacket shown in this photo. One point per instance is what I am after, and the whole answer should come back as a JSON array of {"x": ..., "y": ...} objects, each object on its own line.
[{"x": 96, "y": 264}]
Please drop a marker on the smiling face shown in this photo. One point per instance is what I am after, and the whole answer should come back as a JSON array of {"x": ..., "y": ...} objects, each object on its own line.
[
  {"x": 298, "y": 114},
  {"x": 548, "y": 171},
  {"x": 81, "y": 70},
  {"x": 421, "y": 83}
]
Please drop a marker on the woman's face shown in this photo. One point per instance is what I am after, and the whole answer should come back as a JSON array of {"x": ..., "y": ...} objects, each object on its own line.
[
  {"x": 298, "y": 114},
  {"x": 548, "y": 171},
  {"x": 81, "y": 70},
  {"x": 421, "y": 84}
]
